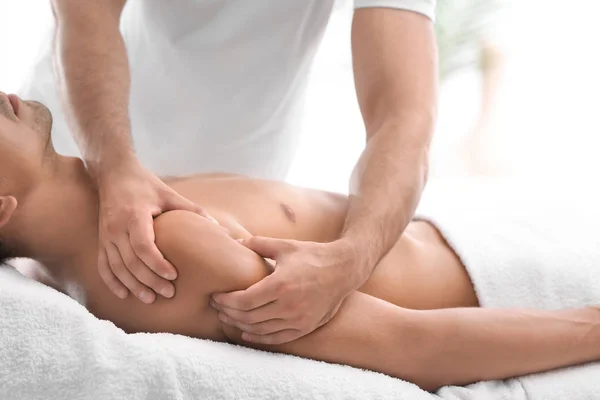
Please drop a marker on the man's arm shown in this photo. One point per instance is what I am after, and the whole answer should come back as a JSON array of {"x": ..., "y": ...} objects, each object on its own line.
[
  {"x": 429, "y": 348},
  {"x": 436, "y": 348},
  {"x": 93, "y": 71},
  {"x": 395, "y": 68}
]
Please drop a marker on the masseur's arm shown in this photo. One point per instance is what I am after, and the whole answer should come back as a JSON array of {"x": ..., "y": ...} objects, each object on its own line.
[
  {"x": 93, "y": 71},
  {"x": 429, "y": 348},
  {"x": 395, "y": 67}
]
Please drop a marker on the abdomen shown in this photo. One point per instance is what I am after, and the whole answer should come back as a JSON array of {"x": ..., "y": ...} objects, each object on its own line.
[{"x": 422, "y": 272}]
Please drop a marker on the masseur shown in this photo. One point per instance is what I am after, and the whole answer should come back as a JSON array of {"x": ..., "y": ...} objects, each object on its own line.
[{"x": 202, "y": 86}]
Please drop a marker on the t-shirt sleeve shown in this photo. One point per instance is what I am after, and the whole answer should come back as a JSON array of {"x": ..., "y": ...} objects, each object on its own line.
[{"x": 425, "y": 7}]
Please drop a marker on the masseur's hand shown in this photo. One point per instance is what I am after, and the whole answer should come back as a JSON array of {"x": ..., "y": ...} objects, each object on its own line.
[
  {"x": 128, "y": 260},
  {"x": 305, "y": 291}
]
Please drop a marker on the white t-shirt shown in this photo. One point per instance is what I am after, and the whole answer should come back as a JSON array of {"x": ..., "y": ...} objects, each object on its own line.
[{"x": 216, "y": 85}]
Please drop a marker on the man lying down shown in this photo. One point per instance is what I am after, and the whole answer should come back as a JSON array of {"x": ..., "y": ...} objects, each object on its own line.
[{"x": 417, "y": 318}]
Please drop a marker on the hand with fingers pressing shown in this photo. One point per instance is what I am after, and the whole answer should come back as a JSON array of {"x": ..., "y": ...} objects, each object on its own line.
[
  {"x": 309, "y": 282},
  {"x": 128, "y": 260}
]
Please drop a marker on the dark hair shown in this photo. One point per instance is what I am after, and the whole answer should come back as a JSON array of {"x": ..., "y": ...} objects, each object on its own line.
[{"x": 6, "y": 252}]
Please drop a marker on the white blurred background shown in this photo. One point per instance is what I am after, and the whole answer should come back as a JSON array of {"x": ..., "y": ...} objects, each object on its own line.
[{"x": 523, "y": 99}]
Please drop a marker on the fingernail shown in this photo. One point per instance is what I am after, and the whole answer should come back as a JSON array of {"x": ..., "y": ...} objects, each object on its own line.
[
  {"x": 167, "y": 292},
  {"x": 214, "y": 220},
  {"x": 146, "y": 297},
  {"x": 214, "y": 298},
  {"x": 222, "y": 317},
  {"x": 122, "y": 294},
  {"x": 240, "y": 240},
  {"x": 170, "y": 275},
  {"x": 246, "y": 337}
]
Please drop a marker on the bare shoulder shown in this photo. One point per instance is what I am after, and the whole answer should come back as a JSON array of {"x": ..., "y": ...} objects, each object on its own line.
[
  {"x": 197, "y": 246},
  {"x": 179, "y": 227},
  {"x": 207, "y": 261}
]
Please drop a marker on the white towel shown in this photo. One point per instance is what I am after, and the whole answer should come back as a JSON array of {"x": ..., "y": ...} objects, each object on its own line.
[
  {"x": 524, "y": 244},
  {"x": 53, "y": 348}
]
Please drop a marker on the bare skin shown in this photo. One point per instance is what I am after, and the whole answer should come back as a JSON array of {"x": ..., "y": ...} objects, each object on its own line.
[
  {"x": 420, "y": 272},
  {"x": 398, "y": 105},
  {"x": 48, "y": 212}
]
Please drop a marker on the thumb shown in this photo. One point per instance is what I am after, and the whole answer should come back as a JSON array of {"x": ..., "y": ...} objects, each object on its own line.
[
  {"x": 177, "y": 202},
  {"x": 266, "y": 247}
]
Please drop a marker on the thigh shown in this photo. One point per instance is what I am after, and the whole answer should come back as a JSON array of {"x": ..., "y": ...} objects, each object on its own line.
[{"x": 422, "y": 272}]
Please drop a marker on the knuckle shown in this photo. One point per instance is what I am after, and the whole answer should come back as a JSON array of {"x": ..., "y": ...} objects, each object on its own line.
[
  {"x": 113, "y": 283},
  {"x": 245, "y": 318},
  {"x": 112, "y": 228},
  {"x": 200, "y": 210},
  {"x": 140, "y": 246},
  {"x": 116, "y": 267},
  {"x": 282, "y": 288},
  {"x": 226, "y": 319},
  {"x": 132, "y": 216}
]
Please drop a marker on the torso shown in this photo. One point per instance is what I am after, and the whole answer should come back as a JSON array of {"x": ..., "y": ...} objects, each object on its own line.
[{"x": 419, "y": 272}]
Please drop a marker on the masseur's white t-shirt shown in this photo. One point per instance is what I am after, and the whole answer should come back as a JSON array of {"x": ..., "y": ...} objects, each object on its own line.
[{"x": 217, "y": 85}]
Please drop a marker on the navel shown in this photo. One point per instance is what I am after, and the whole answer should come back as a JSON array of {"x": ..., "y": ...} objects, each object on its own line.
[{"x": 289, "y": 212}]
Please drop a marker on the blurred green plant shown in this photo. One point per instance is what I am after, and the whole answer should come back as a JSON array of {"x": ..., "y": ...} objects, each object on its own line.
[{"x": 461, "y": 27}]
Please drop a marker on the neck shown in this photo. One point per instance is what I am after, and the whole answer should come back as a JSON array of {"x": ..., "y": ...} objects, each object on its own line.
[{"x": 57, "y": 225}]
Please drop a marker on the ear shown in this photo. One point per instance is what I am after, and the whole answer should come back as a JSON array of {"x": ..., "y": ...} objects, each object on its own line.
[{"x": 8, "y": 205}]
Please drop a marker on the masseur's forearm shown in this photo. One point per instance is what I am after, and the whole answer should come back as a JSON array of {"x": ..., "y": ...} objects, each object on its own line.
[
  {"x": 395, "y": 69},
  {"x": 93, "y": 71},
  {"x": 385, "y": 189},
  {"x": 450, "y": 346}
]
